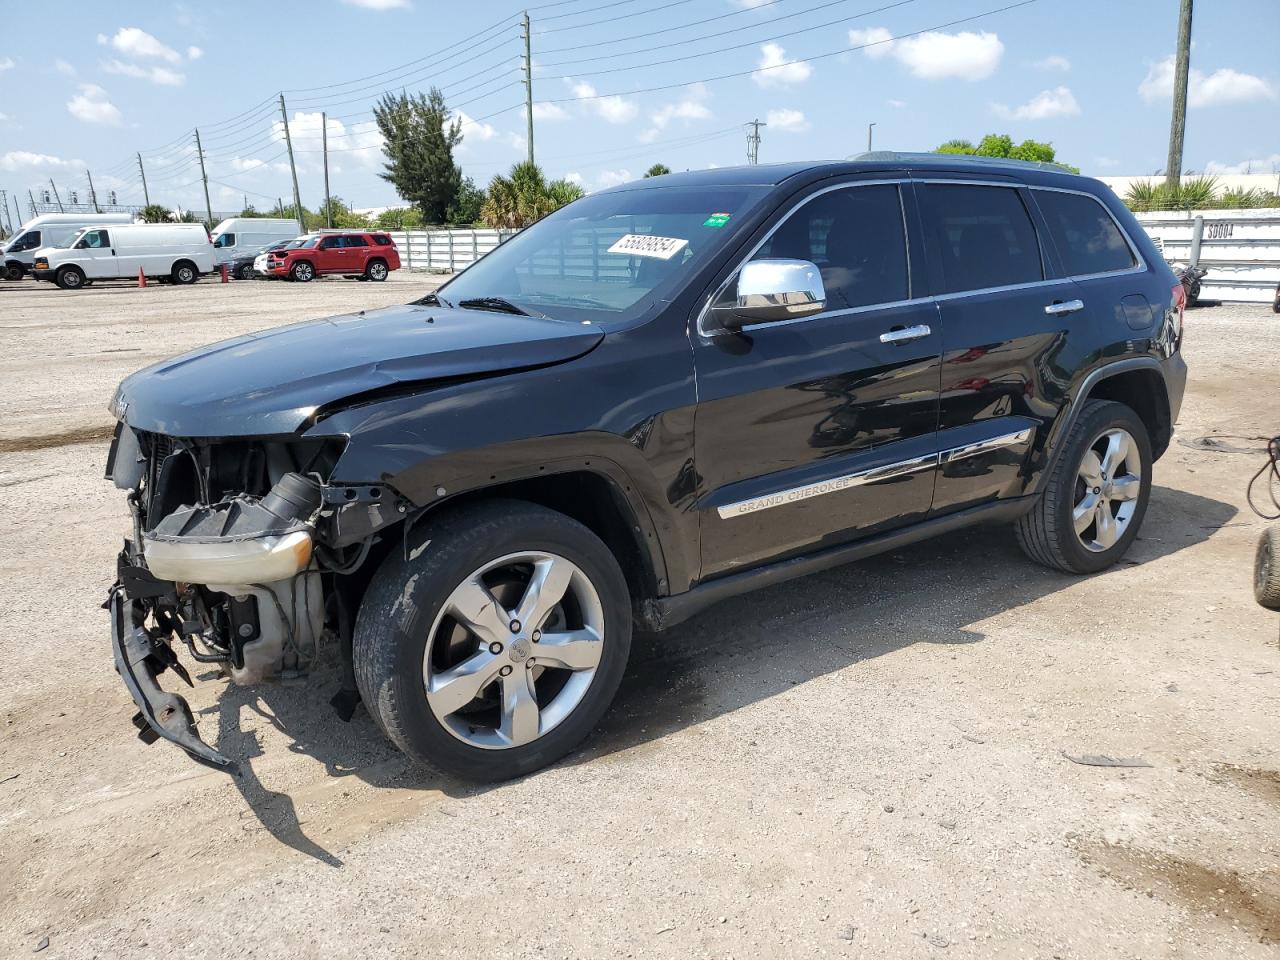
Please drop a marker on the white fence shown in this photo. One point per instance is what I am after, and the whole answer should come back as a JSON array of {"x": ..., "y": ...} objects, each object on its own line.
[
  {"x": 445, "y": 249},
  {"x": 1239, "y": 248}
]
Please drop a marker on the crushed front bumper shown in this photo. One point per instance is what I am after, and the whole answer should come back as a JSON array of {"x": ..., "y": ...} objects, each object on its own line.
[{"x": 139, "y": 658}]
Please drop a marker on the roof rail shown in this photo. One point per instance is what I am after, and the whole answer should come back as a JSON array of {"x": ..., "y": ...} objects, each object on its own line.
[{"x": 892, "y": 156}]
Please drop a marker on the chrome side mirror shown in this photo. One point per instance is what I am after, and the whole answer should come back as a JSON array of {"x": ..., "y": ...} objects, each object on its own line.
[{"x": 772, "y": 290}]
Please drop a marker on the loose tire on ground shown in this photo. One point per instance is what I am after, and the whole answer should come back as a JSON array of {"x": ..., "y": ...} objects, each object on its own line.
[
  {"x": 1266, "y": 569},
  {"x": 406, "y": 602},
  {"x": 69, "y": 278},
  {"x": 1048, "y": 532}
]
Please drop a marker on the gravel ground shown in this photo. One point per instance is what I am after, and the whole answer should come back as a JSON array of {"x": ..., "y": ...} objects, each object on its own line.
[{"x": 869, "y": 762}]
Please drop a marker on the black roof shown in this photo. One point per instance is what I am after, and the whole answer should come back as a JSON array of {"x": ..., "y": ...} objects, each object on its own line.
[{"x": 772, "y": 174}]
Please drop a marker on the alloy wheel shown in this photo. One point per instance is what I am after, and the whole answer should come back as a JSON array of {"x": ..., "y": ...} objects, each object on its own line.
[
  {"x": 514, "y": 650},
  {"x": 378, "y": 271},
  {"x": 1108, "y": 484}
]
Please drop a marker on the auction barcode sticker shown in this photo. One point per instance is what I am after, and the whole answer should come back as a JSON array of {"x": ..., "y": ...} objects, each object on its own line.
[{"x": 644, "y": 245}]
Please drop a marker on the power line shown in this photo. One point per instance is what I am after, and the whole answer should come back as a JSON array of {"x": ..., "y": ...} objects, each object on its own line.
[
  {"x": 614, "y": 19},
  {"x": 737, "y": 46},
  {"x": 820, "y": 56},
  {"x": 578, "y": 13}
]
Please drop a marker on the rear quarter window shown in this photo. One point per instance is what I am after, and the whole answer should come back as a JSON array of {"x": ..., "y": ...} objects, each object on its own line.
[
  {"x": 1085, "y": 234},
  {"x": 979, "y": 236},
  {"x": 381, "y": 240}
]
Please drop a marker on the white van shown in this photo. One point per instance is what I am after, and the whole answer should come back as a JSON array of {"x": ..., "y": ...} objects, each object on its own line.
[
  {"x": 242, "y": 236},
  {"x": 176, "y": 251},
  {"x": 50, "y": 230}
]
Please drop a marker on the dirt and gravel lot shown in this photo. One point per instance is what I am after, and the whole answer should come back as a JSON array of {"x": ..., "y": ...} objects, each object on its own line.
[{"x": 866, "y": 763}]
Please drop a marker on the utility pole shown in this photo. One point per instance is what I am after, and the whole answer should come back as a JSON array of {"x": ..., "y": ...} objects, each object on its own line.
[
  {"x": 753, "y": 140},
  {"x": 528, "y": 83},
  {"x": 61, "y": 209},
  {"x": 16, "y": 209},
  {"x": 31, "y": 197},
  {"x": 288, "y": 142},
  {"x": 324, "y": 138},
  {"x": 869, "y": 126},
  {"x": 208, "y": 207},
  {"x": 93, "y": 197},
  {"x": 4, "y": 200},
  {"x": 1182, "y": 69},
  {"x": 142, "y": 173}
]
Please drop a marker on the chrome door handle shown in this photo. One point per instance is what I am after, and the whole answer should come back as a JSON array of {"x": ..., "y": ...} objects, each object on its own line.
[
  {"x": 1061, "y": 307},
  {"x": 906, "y": 334}
]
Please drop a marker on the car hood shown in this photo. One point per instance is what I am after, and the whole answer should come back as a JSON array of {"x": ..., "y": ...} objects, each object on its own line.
[{"x": 275, "y": 381}]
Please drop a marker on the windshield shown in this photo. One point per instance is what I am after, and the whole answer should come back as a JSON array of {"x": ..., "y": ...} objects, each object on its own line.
[{"x": 607, "y": 256}]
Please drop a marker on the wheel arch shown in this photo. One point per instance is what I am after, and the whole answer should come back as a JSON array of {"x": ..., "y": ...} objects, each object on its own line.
[{"x": 1142, "y": 389}]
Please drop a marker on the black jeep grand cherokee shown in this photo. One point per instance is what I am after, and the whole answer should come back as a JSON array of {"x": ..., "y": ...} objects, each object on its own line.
[{"x": 660, "y": 396}]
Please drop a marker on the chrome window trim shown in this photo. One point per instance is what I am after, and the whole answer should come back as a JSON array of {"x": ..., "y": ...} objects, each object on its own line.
[
  {"x": 1139, "y": 264},
  {"x": 807, "y": 491},
  {"x": 789, "y": 495},
  {"x": 710, "y": 333}
]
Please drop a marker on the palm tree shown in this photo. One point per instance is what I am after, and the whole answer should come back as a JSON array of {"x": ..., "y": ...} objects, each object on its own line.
[
  {"x": 155, "y": 213},
  {"x": 657, "y": 170},
  {"x": 524, "y": 196}
]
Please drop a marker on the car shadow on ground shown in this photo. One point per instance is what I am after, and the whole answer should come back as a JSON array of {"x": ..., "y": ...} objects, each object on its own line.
[{"x": 737, "y": 653}]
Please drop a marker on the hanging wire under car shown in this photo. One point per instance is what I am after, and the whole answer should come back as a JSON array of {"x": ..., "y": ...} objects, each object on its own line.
[{"x": 1272, "y": 469}]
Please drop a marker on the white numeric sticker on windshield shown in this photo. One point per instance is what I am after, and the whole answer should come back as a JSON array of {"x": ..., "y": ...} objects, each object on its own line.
[{"x": 644, "y": 245}]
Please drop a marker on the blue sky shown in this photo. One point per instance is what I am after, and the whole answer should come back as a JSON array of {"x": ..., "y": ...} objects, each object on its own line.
[{"x": 1091, "y": 76}]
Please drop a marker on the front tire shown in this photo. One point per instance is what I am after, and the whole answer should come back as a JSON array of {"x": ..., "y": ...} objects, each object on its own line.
[
  {"x": 302, "y": 271},
  {"x": 14, "y": 271},
  {"x": 1095, "y": 495},
  {"x": 69, "y": 278},
  {"x": 245, "y": 272},
  {"x": 498, "y": 648},
  {"x": 1266, "y": 569}
]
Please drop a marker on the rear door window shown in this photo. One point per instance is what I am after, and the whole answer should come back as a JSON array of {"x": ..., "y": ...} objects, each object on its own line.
[
  {"x": 356, "y": 242},
  {"x": 980, "y": 236},
  {"x": 856, "y": 238},
  {"x": 1085, "y": 233}
]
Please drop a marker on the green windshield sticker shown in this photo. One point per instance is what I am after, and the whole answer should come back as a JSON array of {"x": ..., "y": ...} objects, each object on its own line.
[{"x": 717, "y": 220}]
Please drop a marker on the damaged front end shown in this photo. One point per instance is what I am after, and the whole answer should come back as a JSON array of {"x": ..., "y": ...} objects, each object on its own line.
[{"x": 241, "y": 551}]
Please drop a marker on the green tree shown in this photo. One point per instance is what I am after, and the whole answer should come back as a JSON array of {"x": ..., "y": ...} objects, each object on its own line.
[
  {"x": 156, "y": 213},
  {"x": 343, "y": 217},
  {"x": 419, "y": 133},
  {"x": 465, "y": 210},
  {"x": 657, "y": 170},
  {"x": 524, "y": 196},
  {"x": 1002, "y": 145},
  {"x": 399, "y": 218}
]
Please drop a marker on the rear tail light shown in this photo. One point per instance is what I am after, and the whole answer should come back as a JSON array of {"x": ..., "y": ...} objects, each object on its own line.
[{"x": 1179, "y": 305}]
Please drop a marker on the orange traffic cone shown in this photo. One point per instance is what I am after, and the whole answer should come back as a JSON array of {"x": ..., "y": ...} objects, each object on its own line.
[{"x": 142, "y": 278}]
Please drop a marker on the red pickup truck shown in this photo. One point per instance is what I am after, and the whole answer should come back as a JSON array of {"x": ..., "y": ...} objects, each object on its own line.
[{"x": 358, "y": 254}]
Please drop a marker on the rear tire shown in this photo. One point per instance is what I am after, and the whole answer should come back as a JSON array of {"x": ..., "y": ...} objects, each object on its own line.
[
  {"x": 302, "y": 271},
  {"x": 1084, "y": 526},
  {"x": 411, "y": 642},
  {"x": 14, "y": 271},
  {"x": 184, "y": 272},
  {"x": 376, "y": 270},
  {"x": 1266, "y": 569},
  {"x": 69, "y": 278}
]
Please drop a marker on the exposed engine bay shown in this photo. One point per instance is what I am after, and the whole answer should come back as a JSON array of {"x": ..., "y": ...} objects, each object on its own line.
[{"x": 240, "y": 551}]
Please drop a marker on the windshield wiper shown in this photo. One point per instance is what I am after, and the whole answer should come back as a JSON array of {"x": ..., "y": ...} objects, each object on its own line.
[
  {"x": 497, "y": 304},
  {"x": 433, "y": 300}
]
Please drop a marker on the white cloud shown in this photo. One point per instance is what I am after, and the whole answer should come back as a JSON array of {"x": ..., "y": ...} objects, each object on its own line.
[
  {"x": 611, "y": 178},
  {"x": 360, "y": 142},
  {"x": 92, "y": 106},
  {"x": 691, "y": 107},
  {"x": 516, "y": 141},
  {"x": 133, "y": 42},
  {"x": 573, "y": 177},
  {"x": 6, "y": 63},
  {"x": 787, "y": 120},
  {"x": 160, "y": 76},
  {"x": 379, "y": 5},
  {"x": 1106, "y": 163},
  {"x": 896, "y": 104},
  {"x": 775, "y": 70},
  {"x": 1223, "y": 86},
  {"x": 194, "y": 53},
  {"x": 1269, "y": 164},
  {"x": 1053, "y": 62},
  {"x": 475, "y": 129},
  {"x": 549, "y": 111},
  {"x": 614, "y": 109},
  {"x": 935, "y": 55},
  {"x": 1058, "y": 102},
  {"x": 26, "y": 160},
  {"x": 64, "y": 68}
]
